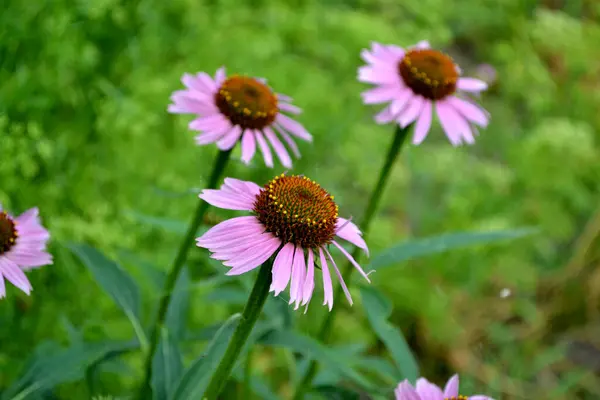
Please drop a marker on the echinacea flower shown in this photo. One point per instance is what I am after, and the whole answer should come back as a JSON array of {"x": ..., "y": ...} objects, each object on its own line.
[
  {"x": 426, "y": 390},
  {"x": 414, "y": 82},
  {"x": 240, "y": 108},
  {"x": 294, "y": 219},
  {"x": 22, "y": 247}
]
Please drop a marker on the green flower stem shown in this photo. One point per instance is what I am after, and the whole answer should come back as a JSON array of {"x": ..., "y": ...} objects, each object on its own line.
[
  {"x": 178, "y": 263},
  {"x": 250, "y": 315},
  {"x": 376, "y": 195}
]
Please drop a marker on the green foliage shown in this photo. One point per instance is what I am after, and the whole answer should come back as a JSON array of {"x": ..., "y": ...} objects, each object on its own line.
[{"x": 84, "y": 135}]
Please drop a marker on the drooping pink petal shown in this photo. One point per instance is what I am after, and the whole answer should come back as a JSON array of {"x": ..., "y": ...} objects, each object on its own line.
[
  {"x": 411, "y": 112},
  {"x": 309, "y": 282},
  {"x": 352, "y": 260},
  {"x": 207, "y": 81},
  {"x": 460, "y": 124},
  {"x": 405, "y": 391},
  {"x": 469, "y": 111},
  {"x": 236, "y": 236},
  {"x": 471, "y": 85},
  {"x": 293, "y": 127},
  {"x": 327, "y": 286},
  {"x": 428, "y": 391},
  {"x": 402, "y": 100},
  {"x": 214, "y": 135},
  {"x": 243, "y": 187},
  {"x": 347, "y": 230},
  {"x": 385, "y": 116},
  {"x": 288, "y": 139},
  {"x": 29, "y": 259},
  {"x": 280, "y": 150},
  {"x": 212, "y": 122},
  {"x": 443, "y": 111},
  {"x": 222, "y": 199},
  {"x": 230, "y": 138},
  {"x": 2, "y": 288},
  {"x": 248, "y": 146},
  {"x": 340, "y": 277},
  {"x": 423, "y": 123},
  {"x": 282, "y": 269},
  {"x": 264, "y": 149},
  {"x": 14, "y": 275},
  {"x": 298, "y": 276},
  {"x": 235, "y": 249},
  {"x": 451, "y": 389}
]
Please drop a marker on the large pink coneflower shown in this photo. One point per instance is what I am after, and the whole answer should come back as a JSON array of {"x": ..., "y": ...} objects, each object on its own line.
[
  {"x": 240, "y": 109},
  {"x": 22, "y": 247},
  {"x": 425, "y": 390},
  {"x": 293, "y": 217},
  {"x": 414, "y": 82}
]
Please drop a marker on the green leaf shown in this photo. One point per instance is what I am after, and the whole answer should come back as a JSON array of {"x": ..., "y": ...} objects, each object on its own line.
[
  {"x": 310, "y": 348},
  {"x": 50, "y": 366},
  {"x": 178, "y": 308},
  {"x": 194, "y": 382},
  {"x": 116, "y": 282},
  {"x": 378, "y": 310},
  {"x": 168, "y": 224},
  {"x": 167, "y": 366},
  {"x": 257, "y": 385},
  {"x": 439, "y": 244}
]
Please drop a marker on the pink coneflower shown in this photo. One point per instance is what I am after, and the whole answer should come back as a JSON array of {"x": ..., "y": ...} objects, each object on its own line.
[
  {"x": 426, "y": 390},
  {"x": 293, "y": 217},
  {"x": 22, "y": 247},
  {"x": 240, "y": 108},
  {"x": 415, "y": 80}
]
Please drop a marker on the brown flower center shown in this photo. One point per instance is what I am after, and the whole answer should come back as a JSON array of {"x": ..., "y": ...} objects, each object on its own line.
[
  {"x": 297, "y": 210},
  {"x": 8, "y": 233},
  {"x": 429, "y": 73},
  {"x": 247, "y": 102},
  {"x": 457, "y": 398}
]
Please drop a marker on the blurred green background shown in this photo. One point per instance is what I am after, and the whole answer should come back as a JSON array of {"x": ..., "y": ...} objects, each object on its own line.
[{"x": 84, "y": 135}]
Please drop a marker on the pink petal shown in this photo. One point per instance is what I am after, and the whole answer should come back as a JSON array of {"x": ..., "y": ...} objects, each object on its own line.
[
  {"x": 220, "y": 76},
  {"x": 423, "y": 44},
  {"x": 231, "y": 238},
  {"x": 444, "y": 111},
  {"x": 401, "y": 101},
  {"x": 29, "y": 259},
  {"x": 327, "y": 287},
  {"x": 428, "y": 391},
  {"x": 385, "y": 116},
  {"x": 14, "y": 275},
  {"x": 451, "y": 389},
  {"x": 28, "y": 216},
  {"x": 471, "y": 85},
  {"x": 214, "y": 135},
  {"x": 226, "y": 227},
  {"x": 248, "y": 146},
  {"x": 240, "y": 248},
  {"x": 405, "y": 391},
  {"x": 309, "y": 282},
  {"x": 261, "y": 256},
  {"x": 255, "y": 255},
  {"x": 298, "y": 276},
  {"x": 380, "y": 94},
  {"x": 423, "y": 123},
  {"x": 207, "y": 81},
  {"x": 211, "y": 122},
  {"x": 281, "y": 152},
  {"x": 2, "y": 288},
  {"x": 340, "y": 277},
  {"x": 282, "y": 269},
  {"x": 283, "y": 97},
  {"x": 460, "y": 124},
  {"x": 352, "y": 260},
  {"x": 264, "y": 149},
  {"x": 293, "y": 127},
  {"x": 230, "y": 138},
  {"x": 470, "y": 111},
  {"x": 350, "y": 232},
  {"x": 377, "y": 76},
  {"x": 289, "y": 108},
  {"x": 288, "y": 139},
  {"x": 411, "y": 112},
  {"x": 480, "y": 397},
  {"x": 244, "y": 187},
  {"x": 228, "y": 201}
]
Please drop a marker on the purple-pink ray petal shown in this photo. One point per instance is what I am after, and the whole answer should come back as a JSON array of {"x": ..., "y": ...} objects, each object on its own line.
[
  {"x": 327, "y": 286},
  {"x": 264, "y": 149},
  {"x": 261, "y": 256},
  {"x": 340, "y": 277},
  {"x": 248, "y": 146},
  {"x": 230, "y": 138},
  {"x": 289, "y": 108},
  {"x": 347, "y": 230},
  {"x": 428, "y": 391},
  {"x": 471, "y": 85},
  {"x": 288, "y": 139},
  {"x": 229, "y": 201},
  {"x": 309, "y": 282},
  {"x": 423, "y": 123},
  {"x": 14, "y": 275},
  {"x": 293, "y": 127},
  {"x": 280, "y": 150},
  {"x": 470, "y": 111},
  {"x": 405, "y": 391},
  {"x": 282, "y": 269},
  {"x": 411, "y": 112},
  {"x": 352, "y": 260}
]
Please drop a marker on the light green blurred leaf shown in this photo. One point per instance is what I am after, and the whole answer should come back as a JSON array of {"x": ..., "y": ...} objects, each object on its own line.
[
  {"x": 194, "y": 382},
  {"x": 439, "y": 244},
  {"x": 178, "y": 308},
  {"x": 167, "y": 366},
  {"x": 168, "y": 224},
  {"x": 310, "y": 348},
  {"x": 116, "y": 282},
  {"x": 378, "y": 310}
]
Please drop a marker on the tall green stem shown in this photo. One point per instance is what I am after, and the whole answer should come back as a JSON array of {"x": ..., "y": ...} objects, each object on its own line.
[
  {"x": 250, "y": 315},
  {"x": 186, "y": 244},
  {"x": 376, "y": 195}
]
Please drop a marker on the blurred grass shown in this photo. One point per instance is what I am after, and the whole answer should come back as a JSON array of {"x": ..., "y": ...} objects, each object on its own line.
[{"x": 84, "y": 134}]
